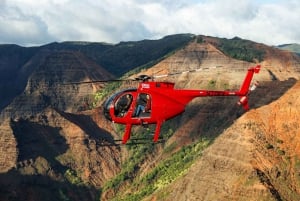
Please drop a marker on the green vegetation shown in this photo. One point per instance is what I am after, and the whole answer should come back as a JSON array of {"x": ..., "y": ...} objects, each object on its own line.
[
  {"x": 241, "y": 49},
  {"x": 170, "y": 148},
  {"x": 200, "y": 39},
  {"x": 297, "y": 169},
  {"x": 138, "y": 153},
  {"x": 251, "y": 180},
  {"x": 280, "y": 152},
  {"x": 269, "y": 146},
  {"x": 131, "y": 166},
  {"x": 211, "y": 84},
  {"x": 279, "y": 141},
  {"x": 283, "y": 180},
  {"x": 163, "y": 174},
  {"x": 72, "y": 177}
]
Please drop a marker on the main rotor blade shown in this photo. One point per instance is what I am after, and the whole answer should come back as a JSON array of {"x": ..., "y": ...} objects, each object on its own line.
[
  {"x": 97, "y": 81},
  {"x": 187, "y": 71},
  {"x": 143, "y": 77}
]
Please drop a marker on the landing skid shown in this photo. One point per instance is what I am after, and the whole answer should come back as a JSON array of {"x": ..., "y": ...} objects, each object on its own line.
[{"x": 134, "y": 141}]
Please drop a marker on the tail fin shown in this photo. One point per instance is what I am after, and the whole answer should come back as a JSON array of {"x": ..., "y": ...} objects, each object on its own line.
[
  {"x": 247, "y": 81},
  {"x": 244, "y": 90}
]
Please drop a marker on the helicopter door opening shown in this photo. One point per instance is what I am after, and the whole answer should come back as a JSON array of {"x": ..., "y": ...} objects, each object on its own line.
[
  {"x": 122, "y": 105},
  {"x": 143, "y": 106}
]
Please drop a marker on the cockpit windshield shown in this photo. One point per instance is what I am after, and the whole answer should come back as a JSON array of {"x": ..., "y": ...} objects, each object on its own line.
[{"x": 121, "y": 103}]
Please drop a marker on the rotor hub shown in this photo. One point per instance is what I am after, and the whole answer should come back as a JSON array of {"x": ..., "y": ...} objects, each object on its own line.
[{"x": 143, "y": 78}]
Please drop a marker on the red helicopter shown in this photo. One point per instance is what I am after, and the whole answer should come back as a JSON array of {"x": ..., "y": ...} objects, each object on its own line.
[{"x": 155, "y": 102}]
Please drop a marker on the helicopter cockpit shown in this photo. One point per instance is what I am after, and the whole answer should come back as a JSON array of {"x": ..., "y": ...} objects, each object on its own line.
[
  {"x": 120, "y": 101},
  {"x": 122, "y": 104}
]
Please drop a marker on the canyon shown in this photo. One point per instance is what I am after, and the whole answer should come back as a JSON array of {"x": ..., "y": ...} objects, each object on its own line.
[{"x": 56, "y": 144}]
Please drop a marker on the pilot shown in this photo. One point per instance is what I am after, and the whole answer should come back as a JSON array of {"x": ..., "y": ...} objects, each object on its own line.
[{"x": 123, "y": 104}]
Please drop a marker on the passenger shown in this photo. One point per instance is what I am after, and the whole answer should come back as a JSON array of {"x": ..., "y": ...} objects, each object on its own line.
[{"x": 144, "y": 105}]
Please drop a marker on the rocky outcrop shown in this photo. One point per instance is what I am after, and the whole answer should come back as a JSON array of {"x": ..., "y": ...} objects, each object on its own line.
[
  {"x": 68, "y": 152},
  {"x": 8, "y": 147},
  {"x": 277, "y": 153},
  {"x": 197, "y": 56},
  {"x": 49, "y": 85},
  {"x": 67, "y": 141}
]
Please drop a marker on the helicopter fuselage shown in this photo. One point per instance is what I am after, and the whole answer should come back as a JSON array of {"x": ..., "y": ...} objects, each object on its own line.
[{"x": 155, "y": 102}]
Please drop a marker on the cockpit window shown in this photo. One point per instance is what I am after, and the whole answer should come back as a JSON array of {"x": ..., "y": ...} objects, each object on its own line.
[
  {"x": 143, "y": 107},
  {"x": 109, "y": 103},
  {"x": 122, "y": 105}
]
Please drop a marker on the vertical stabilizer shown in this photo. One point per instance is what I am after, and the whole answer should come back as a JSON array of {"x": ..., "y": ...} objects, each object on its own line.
[
  {"x": 247, "y": 81},
  {"x": 245, "y": 88}
]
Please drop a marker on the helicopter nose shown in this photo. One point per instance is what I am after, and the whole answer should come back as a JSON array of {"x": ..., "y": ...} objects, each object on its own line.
[
  {"x": 107, "y": 114},
  {"x": 106, "y": 107}
]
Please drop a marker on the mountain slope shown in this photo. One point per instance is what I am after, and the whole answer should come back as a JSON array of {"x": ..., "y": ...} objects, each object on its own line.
[
  {"x": 12, "y": 78},
  {"x": 257, "y": 158},
  {"x": 290, "y": 47},
  {"x": 45, "y": 84}
]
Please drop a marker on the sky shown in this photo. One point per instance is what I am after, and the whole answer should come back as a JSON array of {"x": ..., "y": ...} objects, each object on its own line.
[{"x": 32, "y": 22}]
